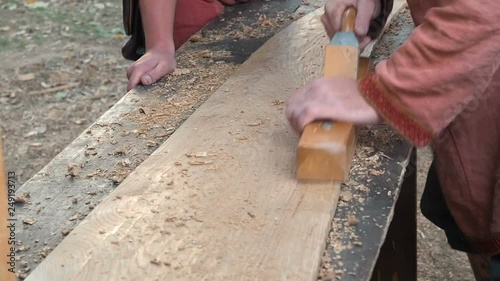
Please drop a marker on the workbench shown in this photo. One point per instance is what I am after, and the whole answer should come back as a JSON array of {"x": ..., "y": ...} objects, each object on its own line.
[{"x": 373, "y": 235}]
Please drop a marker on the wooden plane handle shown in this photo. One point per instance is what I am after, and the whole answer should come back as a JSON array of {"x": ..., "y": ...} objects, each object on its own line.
[
  {"x": 348, "y": 20},
  {"x": 313, "y": 160}
]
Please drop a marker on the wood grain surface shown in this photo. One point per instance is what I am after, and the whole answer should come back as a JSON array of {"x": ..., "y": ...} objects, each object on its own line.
[{"x": 218, "y": 200}]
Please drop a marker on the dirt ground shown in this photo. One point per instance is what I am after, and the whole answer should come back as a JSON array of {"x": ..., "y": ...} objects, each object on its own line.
[{"x": 62, "y": 69}]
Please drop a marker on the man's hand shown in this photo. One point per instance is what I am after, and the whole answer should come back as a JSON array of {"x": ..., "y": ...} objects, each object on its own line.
[
  {"x": 336, "y": 99},
  {"x": 151, "y": 67},
  {"x": 367, "y": 10}
]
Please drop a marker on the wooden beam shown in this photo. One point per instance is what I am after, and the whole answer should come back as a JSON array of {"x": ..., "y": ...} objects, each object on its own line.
[
  {"x": 124, "y": 136},
  {"x": 218, "y": 200}
]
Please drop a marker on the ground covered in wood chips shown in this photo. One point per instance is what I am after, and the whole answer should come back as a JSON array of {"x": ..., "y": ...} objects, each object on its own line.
[{"x": 62, "y": 68}]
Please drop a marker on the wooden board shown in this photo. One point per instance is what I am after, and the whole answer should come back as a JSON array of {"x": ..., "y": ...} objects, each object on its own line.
[
  {"x": 123, "y": 137},
  {"x": 236, "y": 213}
]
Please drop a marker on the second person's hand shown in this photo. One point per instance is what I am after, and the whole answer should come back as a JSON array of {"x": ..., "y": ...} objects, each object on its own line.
[{"x": 151, "y": 67}]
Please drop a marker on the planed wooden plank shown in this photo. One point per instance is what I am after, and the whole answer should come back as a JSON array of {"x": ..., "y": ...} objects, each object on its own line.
[
  {"x": 113, "y": 146},
  {"x": 236, "y": 210},
  {"x": 218, "y": 200}
]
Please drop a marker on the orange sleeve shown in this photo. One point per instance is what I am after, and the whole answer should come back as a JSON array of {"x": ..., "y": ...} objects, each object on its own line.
[{"x": 446, "y": 63}]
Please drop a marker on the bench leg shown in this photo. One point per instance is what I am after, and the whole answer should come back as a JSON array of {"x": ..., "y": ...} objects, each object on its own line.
[{"x": 397, "y": 260}]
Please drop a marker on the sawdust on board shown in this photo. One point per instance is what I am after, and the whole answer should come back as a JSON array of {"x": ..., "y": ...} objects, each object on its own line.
[
  {"x": 365, "y": 159},
  {"x": 198, "y": 74},
  {"x": 240, "y": 30}
]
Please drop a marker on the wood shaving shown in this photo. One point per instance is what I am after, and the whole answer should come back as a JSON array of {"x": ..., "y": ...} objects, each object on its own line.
[
  {"x": 73, "y": 169},
  {"x": 199, "y": 162},
  {"x": 255, "y": 123},
  {"x": 29, "y": 221},
  {"x": 181, "y": 71},
  {"x": 197, "y": 154}
]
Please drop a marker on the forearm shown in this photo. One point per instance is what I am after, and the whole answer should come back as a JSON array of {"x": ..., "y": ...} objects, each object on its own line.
[
  {"x": 448, "y": 61},
  {"x": 158, "y": 23}
]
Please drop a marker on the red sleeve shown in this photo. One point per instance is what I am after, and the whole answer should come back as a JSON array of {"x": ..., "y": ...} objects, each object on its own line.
[{"x": 446, "y": 63}]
